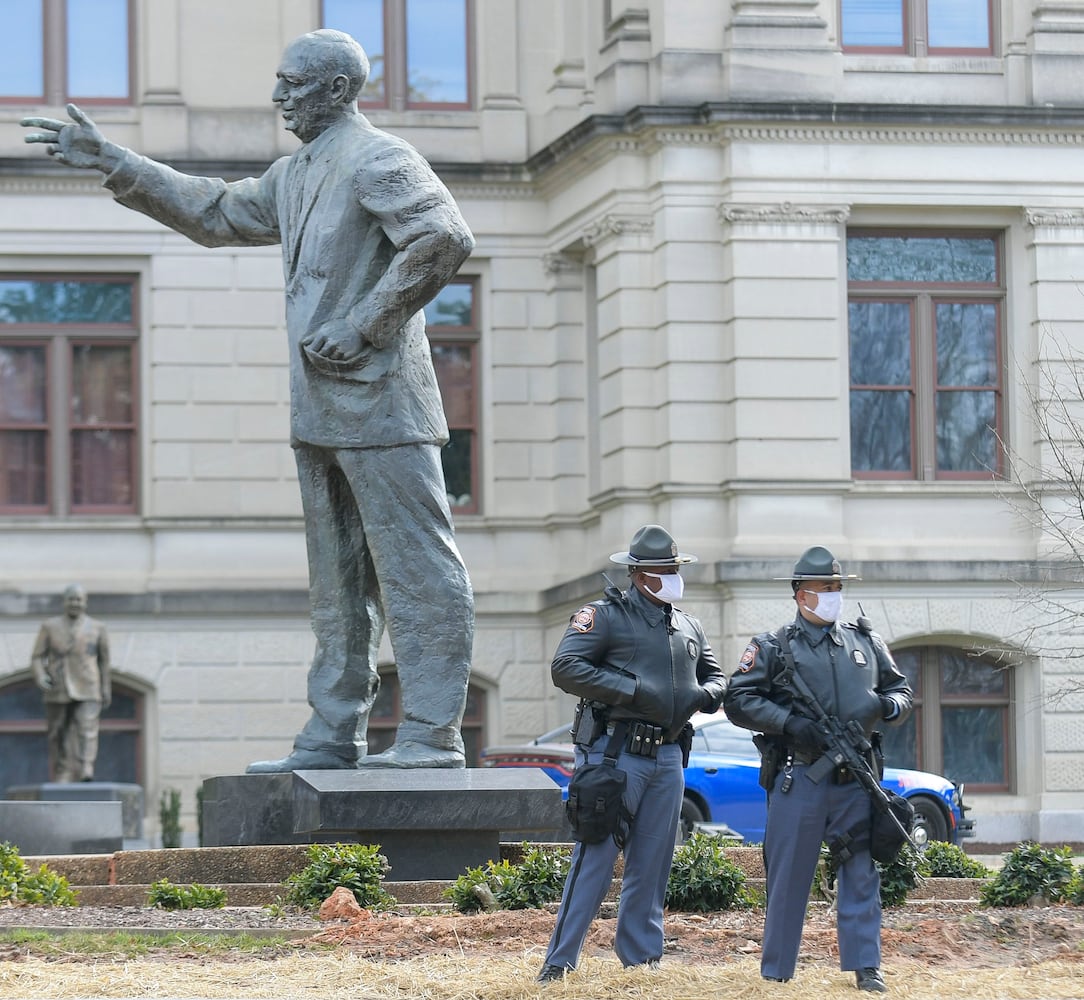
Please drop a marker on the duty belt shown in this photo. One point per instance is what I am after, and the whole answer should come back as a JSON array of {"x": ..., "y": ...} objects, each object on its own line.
[
  {"x": 840, "y": 775},
  {"x": 644, "y": 738}
]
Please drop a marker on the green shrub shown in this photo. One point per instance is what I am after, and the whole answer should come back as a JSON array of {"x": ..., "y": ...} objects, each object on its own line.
[
  {"x": 1074, "y": 891},
  {"x": 357, "y": 867},
  {"x": 21, "y": 885},
  {"x": 169, "y": 817},
  {"x": 1030, "y": 873},
  {"x": 537, "y": 880},
  {"x": 703, "y": 878},
  {"x": 167, "y": 896},
  {"x": 898, "y": 877},
  {"x": 941, "y": 860}
]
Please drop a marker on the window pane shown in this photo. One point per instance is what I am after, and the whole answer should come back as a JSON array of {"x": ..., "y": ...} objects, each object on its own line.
[
  {"x": 455, "y": 377},
  {"x": 958, "y": 24},
  {"x": 901, "y": 743},
  {"x": 101, "y": 384},
  {"x": 453, "y": 305},
  {"x": 966, "y": 441},
  {"x": 22, "y": 385},
  {"x": 880, "y": 343},
  {"x": 880, "y": 431},
  {"x": 21, "y": 702},
  {"x": 117, "y": 753},
  {"x": 436, "y": 51},
  {"x": 965, "y": 675},
  {"x": 922, "y": 259},
  {"x": 973, "y": 745},
  {"x": 364, "y": 21},
  {"x": 24, "y": 758},
  {"x": 97, "y": 48},
  {"x": 457, "y": 457},
  {"x": 22, "y": 49},
  {"x": 102, "y": 473},
  {"x": 909, "y": 663},
  {"x": 966, "y": 343},
  {"x": 22, "y": 468},
  {"x": 873, "y": 23},
  {"x": 57, "y": 301}
]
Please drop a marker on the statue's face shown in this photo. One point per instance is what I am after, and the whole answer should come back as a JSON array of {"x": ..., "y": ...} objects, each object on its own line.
[
  {"x": 304, "y": 91},
  {"x": 75, "y": 602}
]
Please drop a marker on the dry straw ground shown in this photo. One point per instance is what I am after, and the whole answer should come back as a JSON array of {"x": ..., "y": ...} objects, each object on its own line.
[{"x": 950, "y": 952}]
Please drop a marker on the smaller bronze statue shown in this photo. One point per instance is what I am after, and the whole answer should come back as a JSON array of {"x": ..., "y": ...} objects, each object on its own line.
[{"x": 71, "y": 666}]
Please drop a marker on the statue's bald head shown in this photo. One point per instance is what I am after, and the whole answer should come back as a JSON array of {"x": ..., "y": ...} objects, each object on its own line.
[{"x": 333, "y": 53}]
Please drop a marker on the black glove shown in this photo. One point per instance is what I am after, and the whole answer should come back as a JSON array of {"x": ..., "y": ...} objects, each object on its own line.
[
  {"x": 803, "y": 733},
  {"x": 709, "y": 702},
  {"x": 889, "y": 709}
]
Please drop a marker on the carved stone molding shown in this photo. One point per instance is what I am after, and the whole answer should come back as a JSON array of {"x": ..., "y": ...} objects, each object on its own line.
[
  {"x": 1065, "y": 217},
  {"x": 898, "y": 135},
  {"x": 785, "y": 213},
  {"x": 560, "y": 264},
  {"x": 611, "y": 226}
]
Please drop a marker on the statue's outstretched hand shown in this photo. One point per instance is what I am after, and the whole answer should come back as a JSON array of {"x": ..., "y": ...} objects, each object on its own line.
[{"x": 78, "y": 143}]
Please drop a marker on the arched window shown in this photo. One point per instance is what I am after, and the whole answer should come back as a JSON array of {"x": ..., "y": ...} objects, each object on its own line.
[
  {"x": 387, "y": 713},
  {"x": 24, "y": 759},
  {"x": 962, "y": 723}
]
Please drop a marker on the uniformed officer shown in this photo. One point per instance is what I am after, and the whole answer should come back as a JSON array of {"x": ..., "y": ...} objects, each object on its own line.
[
  {"x": 70, "y": 663},
  {"x": 636, "y": 661},
  {"x": 853, "y": 676}
]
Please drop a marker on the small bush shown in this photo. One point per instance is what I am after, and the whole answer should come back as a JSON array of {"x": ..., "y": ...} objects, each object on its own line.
[
  {"x": 703, "y": 878},
  {"x": 167, "y": 896},
  {"x": 537, "y": 880},
  {"x": 1074, "y": 891},
  {"x": 169, "y": 817},
  {"x": 1031, "y": 873},
  {"x": 941, "y": 860},
  {"x": 21, "y": 885},
  {"x": 898, "y": 878},
  {"x": 358, "y": 867}
]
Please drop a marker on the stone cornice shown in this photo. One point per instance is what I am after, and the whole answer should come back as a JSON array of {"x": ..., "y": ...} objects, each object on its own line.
[
  {"x": 784, "y": 212},
  {"x": 616, "y": 224}
]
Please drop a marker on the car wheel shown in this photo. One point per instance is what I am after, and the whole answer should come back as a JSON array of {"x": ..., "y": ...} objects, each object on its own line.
[
  {"x": 930, "y": 823},
  {"x": 691, "y": 814}
]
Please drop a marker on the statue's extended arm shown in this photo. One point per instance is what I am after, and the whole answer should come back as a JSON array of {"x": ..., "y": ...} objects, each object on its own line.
[{"x": 207, "y": 210}]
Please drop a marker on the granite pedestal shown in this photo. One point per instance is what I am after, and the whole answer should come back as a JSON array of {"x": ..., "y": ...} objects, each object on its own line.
[
  {"x": 429, "y": 823},
  {"x": 128, "y": 795},
  {"x": 61, "y": 827}
]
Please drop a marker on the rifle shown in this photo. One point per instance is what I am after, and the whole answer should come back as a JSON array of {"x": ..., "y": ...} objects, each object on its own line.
[{"x": 847, "y": 745}]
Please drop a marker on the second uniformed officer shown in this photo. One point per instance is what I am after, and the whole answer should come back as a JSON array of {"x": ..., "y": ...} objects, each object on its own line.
[
  {"x": 640, "y": 664},
  {"x": 854, "y": 678}
]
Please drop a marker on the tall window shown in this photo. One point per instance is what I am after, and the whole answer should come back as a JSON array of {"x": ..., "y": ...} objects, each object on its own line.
[
  {"x": 452, "y": 323},
  {"x": 52, "y": 51},
  {"x": 387, "y": 713},
  {"x": 918, "y": 27},
  {"x": 925, "y": 318},
  {"x": 24, "y": 758},
  {"x": 419, "y": 50},
  {"x": 67, "y": 395},
  {"x": 962, "y": 725}
]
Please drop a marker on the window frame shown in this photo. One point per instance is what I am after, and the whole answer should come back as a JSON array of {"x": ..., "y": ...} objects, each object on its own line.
[
  {"x": 59, "y": 342},
  {"x": 397, "y": 67},
  {"x": 470, "y": 337},
  {"x": 55, "y": 52},
  {"x": 923, "y": 299},
  {"x": 915, "y": 32},
  {"x": 930, "y": 700}
]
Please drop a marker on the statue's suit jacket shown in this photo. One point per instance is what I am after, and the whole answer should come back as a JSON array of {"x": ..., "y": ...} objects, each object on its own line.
[
  {"x": 71, "y": 660},
  {"x": 369, "y": 234}
]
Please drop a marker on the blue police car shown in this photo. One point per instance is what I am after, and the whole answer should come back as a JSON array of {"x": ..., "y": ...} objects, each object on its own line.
[{"x": 722, "y": 789}]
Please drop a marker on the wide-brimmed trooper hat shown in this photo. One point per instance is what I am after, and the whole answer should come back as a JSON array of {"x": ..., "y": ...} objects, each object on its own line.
[
  {"x": 652, "y": 545},
  {"x": 817, "y": 563}
]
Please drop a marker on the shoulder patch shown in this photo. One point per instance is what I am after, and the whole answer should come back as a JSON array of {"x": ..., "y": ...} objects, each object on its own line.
[
  {"x": 583, "y": 620},
  {"x": 748, "y": 657}
]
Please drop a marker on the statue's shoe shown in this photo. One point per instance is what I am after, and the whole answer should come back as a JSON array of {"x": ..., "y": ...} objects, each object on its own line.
[
  {"x": 410, "y": 753},
  {"x": 302, "y": 760}
]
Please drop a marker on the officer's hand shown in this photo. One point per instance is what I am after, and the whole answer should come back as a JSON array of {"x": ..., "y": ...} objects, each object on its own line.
[
  {"x": 709, "y": 701},
  {"x": 803, "y": 733},
  {"x": 889, "y": 708}
]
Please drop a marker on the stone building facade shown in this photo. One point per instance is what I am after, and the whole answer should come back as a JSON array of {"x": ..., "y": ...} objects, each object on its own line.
[{"x": 771, "y": 274}]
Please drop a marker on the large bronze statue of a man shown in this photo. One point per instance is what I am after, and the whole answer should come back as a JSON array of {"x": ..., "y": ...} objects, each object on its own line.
[
  {"x": 369, "y": 235},
  {"x": 70, "y": 663}
]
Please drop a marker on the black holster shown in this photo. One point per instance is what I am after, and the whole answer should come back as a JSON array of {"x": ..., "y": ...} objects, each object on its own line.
[{"x": 771, "y": 759}]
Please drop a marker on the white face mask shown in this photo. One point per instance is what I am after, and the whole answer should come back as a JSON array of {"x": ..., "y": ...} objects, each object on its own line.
[
  {"x": 673, "y": 586},
  {"x": 829, "y": 605}
]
